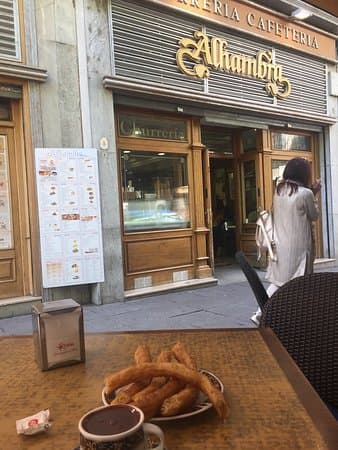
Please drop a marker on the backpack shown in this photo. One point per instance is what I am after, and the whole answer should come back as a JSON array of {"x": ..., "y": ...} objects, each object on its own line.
[{"x": 265, "y": 235}]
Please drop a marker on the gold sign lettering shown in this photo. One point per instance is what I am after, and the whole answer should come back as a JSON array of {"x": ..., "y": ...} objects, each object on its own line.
[{"x": 205, "y": 52}]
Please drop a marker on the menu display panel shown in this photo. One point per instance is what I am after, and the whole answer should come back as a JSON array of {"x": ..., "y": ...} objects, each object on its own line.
[{"x": 69, "y": 216}]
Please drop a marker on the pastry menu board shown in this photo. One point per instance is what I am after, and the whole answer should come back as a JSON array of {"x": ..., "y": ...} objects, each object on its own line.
[{"x": 69, "y": 216}]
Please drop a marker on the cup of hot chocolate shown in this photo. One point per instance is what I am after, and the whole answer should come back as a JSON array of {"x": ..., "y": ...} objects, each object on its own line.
[{"x": 117, "y": 427}]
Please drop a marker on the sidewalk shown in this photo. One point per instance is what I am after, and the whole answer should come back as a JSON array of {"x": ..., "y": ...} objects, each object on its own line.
[{"x": 228, "y": 304}]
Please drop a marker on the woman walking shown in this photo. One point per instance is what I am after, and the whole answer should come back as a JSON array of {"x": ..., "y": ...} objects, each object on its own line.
[{"x": 294, "y": 209}]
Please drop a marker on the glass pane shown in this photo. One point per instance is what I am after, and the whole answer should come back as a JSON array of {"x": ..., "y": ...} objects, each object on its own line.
[
  {"x": 155, "y": 191},
  {"x": 277, "y": 169},
  {"x": 6, "y": 238},
  {"x": 217, "y": 140},
  {"x": 151, "y": 127},
  {"x": 249, "y": 140},
  {"x": 250, "y": 205},
  {"x": 5, "y": 110},
  {"x": 286, "y": 141}
]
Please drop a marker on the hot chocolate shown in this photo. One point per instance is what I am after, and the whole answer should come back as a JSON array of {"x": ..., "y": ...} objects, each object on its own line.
[{"x": 110, "y": 421}]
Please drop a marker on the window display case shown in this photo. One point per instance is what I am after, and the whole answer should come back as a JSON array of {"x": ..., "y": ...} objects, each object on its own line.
[{"x": 155, "y": 191}]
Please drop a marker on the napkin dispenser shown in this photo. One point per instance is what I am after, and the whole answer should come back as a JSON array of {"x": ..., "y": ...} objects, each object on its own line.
[{"x": 58, "y": 333}]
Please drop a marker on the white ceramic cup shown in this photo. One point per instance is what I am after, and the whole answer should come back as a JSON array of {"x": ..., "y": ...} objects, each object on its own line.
[{"x": 116, "y": 427}]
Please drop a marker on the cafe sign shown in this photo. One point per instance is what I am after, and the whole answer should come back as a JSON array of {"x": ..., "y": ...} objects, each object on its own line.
[
  {"x": 258, "y": 21},
  {"x": 205, "y": 52}
]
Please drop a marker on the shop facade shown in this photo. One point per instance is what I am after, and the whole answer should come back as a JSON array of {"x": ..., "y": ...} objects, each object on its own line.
[
  {"x": 241, "y": 106},
  {"x": 194, "y": 108}
]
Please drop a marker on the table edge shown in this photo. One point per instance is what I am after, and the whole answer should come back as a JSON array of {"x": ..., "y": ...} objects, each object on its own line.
[{"x": 322, "y": 418}]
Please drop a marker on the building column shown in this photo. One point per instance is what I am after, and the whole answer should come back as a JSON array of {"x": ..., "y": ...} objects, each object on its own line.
[{"x": 202, "y": 260}]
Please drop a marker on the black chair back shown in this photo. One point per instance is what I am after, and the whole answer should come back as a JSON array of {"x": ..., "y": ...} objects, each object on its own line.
[
  {"x": 303, "y": 313},
  {"x": 253, "y": 279}
]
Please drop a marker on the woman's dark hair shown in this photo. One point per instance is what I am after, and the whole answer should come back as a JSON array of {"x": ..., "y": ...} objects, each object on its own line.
[{"x": 297, "y": 172}]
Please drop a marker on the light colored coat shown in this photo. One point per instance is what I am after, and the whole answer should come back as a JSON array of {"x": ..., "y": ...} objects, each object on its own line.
[{"x": 293, "y": 216}]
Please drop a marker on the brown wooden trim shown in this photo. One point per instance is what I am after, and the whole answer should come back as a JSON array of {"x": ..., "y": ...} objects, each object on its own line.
[
  {"x": 270, "y": 154},
  {"x": 202, "y": 258},
  {"x": 192, "y": 149},
  {"x": 32, "y": 195},
  {"x": 23, "y": 198},
  {"x": 26, "y": 189},
  {"x": 330, "y": 7}
]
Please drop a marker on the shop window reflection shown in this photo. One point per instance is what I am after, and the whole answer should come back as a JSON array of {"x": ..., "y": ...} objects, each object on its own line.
[
  {"x": 249, "y": 138},
  {"x": 155, "y": 191},
  {"x": 277, "y": 169},
  {"x": 6, "y": 226},
  {"x": 291, "y": 142},
  {"x": 5, "y": 110},
  {"x": 250, "y": 196}
]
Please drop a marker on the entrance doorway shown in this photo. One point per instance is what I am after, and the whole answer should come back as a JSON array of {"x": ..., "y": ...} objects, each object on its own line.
[
  {"x": 15, "y": 267},
  {"x": 219, "y": 142},
  {"x": 223, "y": 210},
  {"x": 245, "y": 164}
]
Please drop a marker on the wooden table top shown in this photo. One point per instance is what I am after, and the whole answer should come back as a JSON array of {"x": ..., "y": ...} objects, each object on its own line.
[{"x": 272, "y": 406}]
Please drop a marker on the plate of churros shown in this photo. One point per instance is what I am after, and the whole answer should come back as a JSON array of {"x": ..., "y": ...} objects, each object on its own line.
[
  {"x": 170, "y": 387},
  {"x": 201, "y": 404}
]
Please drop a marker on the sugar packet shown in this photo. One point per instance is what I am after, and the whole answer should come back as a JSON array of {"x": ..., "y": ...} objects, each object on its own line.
[{"x": 34, "y": 424}]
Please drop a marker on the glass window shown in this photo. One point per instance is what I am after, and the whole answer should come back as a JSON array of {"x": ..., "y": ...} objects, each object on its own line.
[
  {"x": 5, "y": 109},
  {"x": 249, "y": 140},
  {"x": 250, "y": 197},
  {"x": 277, "y": 169},
  {"x": 155, "y": 191},
  {"x": 286, "y": 141},
  {"x": 217, "y": 140},
  {"x": 6, "y": 237}
]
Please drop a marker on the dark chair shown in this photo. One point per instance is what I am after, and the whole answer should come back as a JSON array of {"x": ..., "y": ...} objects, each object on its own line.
[
  {"x": 303, "y": 313},
  {"x": 253, "y": 279}
]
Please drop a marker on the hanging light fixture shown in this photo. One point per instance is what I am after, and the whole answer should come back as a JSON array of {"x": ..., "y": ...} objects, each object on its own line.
[{"x": 301, "y": 14}]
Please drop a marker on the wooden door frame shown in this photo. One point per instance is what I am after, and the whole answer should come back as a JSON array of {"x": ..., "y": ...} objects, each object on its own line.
[
  {"x": 19, "y": 201},
  {"x": 11, "y": 258},
  {"x": 21, "y": 125},
  {"x": 192, "y": 149},
  {"x": 312, "y": 157},
  {"x": 27, "y": 190},
  {"x": 207, "y": 186},
  {"x": 208, "y": 206}
]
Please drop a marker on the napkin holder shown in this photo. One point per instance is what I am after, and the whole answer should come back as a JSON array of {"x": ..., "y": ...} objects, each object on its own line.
[{"x": 58, "y": 333}]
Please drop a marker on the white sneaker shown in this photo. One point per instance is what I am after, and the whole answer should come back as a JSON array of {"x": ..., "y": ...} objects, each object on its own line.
[{"x": 256, "y": 318}]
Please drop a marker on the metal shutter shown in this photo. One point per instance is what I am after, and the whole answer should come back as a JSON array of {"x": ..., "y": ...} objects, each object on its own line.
[
  {"x": 9, "y": 30},
  {"x": 145, "y": 45},
  {"x": 145, "y": 41}
]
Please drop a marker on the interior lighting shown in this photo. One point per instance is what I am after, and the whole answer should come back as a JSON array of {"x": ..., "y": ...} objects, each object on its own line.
[
  {"x": 301, "y": 14},
  {"x": 161, "y": 154}
]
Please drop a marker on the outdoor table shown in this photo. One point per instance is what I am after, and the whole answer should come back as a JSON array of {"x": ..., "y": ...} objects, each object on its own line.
[{"x": 272, "y": 405}]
